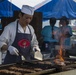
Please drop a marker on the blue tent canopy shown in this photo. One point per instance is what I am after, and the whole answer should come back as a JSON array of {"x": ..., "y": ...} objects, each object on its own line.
[
  {"x": 7, "y": 8},
  {"x": 58, "y": 8}
]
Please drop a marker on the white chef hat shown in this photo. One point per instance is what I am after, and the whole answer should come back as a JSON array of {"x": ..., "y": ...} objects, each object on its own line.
[{"x": 27, "y": 9}]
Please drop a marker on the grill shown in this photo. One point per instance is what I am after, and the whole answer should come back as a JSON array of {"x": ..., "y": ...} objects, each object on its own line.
[
  {"x": 27, "y": 68},
  {"x": 36, "y": 67}
]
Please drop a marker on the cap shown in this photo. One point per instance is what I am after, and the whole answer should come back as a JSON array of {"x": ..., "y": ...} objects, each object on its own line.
[{"x": 27, "y": 9}]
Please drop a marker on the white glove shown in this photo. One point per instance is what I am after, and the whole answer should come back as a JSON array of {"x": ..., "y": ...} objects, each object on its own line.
[
  {"x": 13, "y": 50},
  {"x": 36, "y": 48}
]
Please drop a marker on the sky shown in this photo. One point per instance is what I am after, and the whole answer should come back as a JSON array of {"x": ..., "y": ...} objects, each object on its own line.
[{"x": 19, "y": 3}]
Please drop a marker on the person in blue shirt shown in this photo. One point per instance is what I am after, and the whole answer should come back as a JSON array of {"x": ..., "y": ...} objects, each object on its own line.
[{"x": 50, "y": 36}]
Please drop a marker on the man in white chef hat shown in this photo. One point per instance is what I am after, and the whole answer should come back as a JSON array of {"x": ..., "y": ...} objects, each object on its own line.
[{"x": 18, "y": 37}]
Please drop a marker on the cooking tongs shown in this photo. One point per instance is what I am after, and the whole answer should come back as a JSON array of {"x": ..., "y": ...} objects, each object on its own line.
[{"x": 22, "y": 57}]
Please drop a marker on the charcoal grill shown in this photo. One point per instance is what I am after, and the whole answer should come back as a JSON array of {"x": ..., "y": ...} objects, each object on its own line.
[
  {"x": 36, "y": 67},
  {"x": 27, "y": 68}
]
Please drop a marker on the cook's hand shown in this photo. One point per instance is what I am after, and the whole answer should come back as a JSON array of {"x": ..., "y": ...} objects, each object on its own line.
[
  {"x": 36, "y": 48},
  {"x": 13, "y": 50}
]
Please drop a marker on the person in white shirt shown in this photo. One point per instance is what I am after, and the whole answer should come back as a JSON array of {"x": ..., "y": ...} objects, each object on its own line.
[
  {"x": 65, "y": 31},
  {"x": 65, "y": 34},
  {"x": 18, "y": 37}
]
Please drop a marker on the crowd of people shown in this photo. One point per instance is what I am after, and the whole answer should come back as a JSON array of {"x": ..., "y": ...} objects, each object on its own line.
[
  {"x": 53, "y": 36},
  {"x": 19, "y": 38}
]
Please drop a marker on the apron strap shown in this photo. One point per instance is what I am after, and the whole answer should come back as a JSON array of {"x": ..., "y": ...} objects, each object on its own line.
[
  {"x": 17, "y": 26},
  {"x": 30, "y": 32}
]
